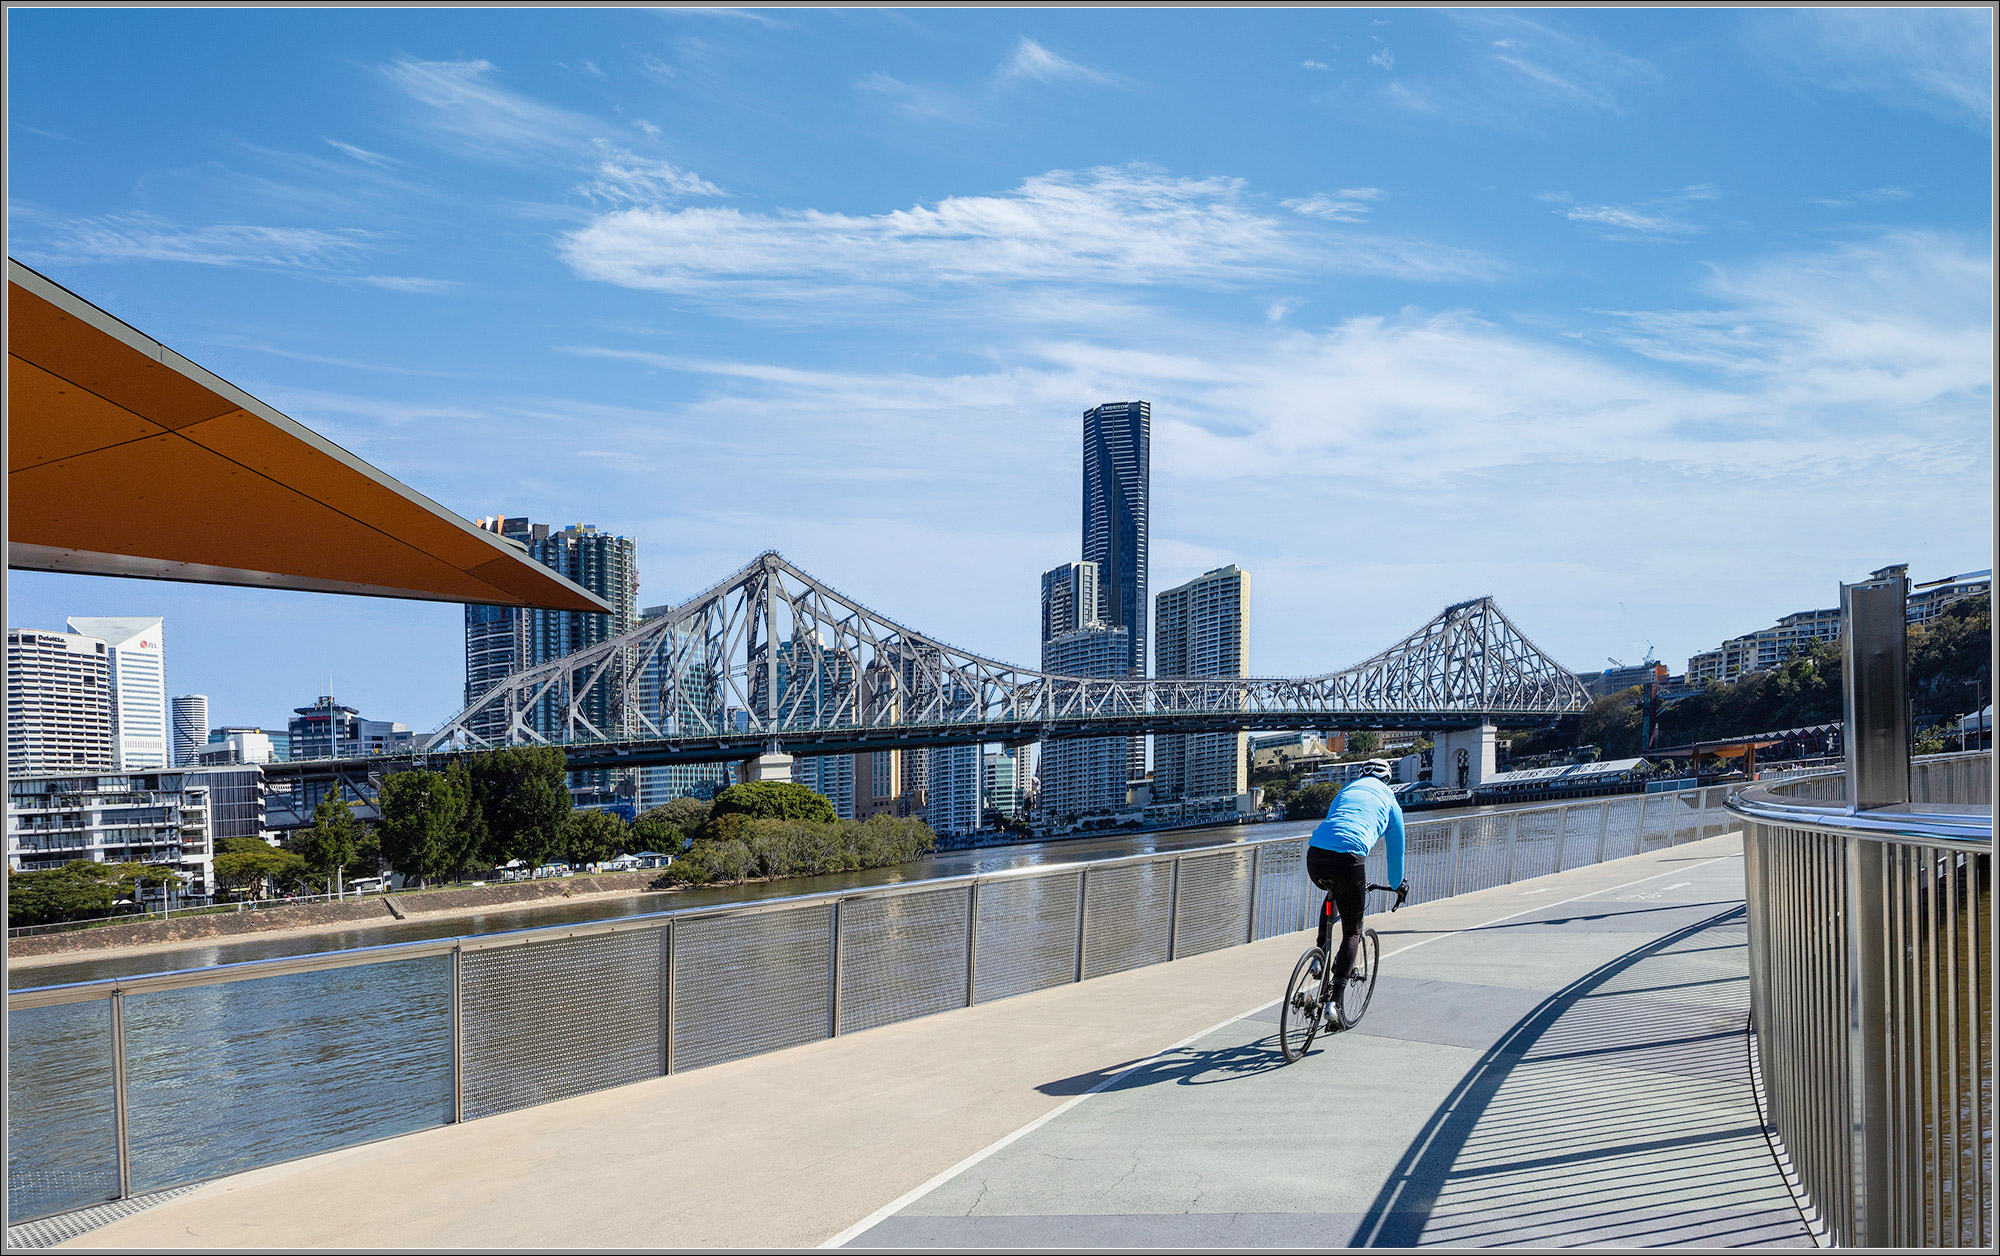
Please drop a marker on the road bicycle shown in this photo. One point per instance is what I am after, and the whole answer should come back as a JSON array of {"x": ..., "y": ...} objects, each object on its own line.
[{"x": 1309, "y": 1001}]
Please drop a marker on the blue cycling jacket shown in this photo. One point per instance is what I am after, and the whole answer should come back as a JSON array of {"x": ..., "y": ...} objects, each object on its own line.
[{"x": 1359, "y": 817}]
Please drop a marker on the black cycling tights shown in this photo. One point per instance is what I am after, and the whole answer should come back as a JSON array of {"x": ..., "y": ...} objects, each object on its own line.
[{"x": 1345, "y": 876}]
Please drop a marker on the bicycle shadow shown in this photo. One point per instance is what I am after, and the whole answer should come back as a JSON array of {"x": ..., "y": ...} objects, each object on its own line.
[{"x": 1183, "y": 1066}]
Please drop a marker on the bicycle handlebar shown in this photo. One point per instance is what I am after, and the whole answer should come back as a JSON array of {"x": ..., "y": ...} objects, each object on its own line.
[{"x": 1389, "y": 889}]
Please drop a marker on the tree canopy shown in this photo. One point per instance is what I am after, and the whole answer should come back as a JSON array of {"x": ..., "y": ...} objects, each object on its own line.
[
  {"x": 520, "y": 802},
  {"x": 79, "y": 890},
  {"x": 593, "y": 836},
  {"x": 424, "y": 830},
  {"x": 772, "y": 800}
]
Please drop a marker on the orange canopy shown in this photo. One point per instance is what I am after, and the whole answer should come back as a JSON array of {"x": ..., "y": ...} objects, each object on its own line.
[{"x": 126, "y": 459}]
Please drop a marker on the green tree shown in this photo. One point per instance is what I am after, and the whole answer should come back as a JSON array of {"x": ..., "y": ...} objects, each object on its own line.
[
  {"x": 1365, "y": 742},
  {"x": 520, "y": 802},
  {"x": 1311, "y": 802},
  {"x": 331, "y": 842},
  {"x": 593, "y": 836},
  {"x": 668, "y": 827},
  {"x": 424, "y": 827},
  {"x": 772, "y": 800},
  {"x": 81, "y": 889},
  {"x": 256, "y": 870}
]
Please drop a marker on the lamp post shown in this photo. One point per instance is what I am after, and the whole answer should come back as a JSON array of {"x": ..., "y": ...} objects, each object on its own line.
[{"x": 1978, "y": 710}]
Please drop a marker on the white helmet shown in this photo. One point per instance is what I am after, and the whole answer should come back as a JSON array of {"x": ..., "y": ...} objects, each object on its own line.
[{"x": 1377, "y": 768}]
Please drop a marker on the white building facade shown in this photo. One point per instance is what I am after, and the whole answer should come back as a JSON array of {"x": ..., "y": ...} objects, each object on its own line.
[
  {"x": 58, "y": 703},
  {"x": 138, "y": 688},
  {"x": 151, "y": 818},
  {"x": 1201, "y": 629},
  {"x": 190, "y": 727}
]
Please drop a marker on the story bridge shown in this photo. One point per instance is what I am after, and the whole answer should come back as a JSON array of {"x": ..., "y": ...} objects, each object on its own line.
[{"x": 774, "y": 661}]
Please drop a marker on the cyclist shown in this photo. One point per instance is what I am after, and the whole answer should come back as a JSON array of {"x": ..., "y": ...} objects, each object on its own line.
[{"x": 1361, "y": 815}]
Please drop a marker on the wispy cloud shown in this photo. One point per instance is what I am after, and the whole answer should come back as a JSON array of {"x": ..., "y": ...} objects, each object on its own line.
[
  {"x": 362, "y": 154},
  {"x": 1383, "y": 57},
  {"x": 1029, "y": 64},
  {"x": 1872, "y": 196},
  {"x": 1662, "y": 216},
  {"x": 624, "y": 178},
  {"x": 142, "y": 237},
  {"x": 1516, "y": 71},
  {"x": 409, "y": 283},
  {"x": 1313, "y": 63},
  {"x": 1936, "y": 60},
  {"x": 465, "y": 107},
  {"x": 1346, "y": 205},
  {"x": 1131, "y": 225},
  {"x": 1032, "y": 61}
]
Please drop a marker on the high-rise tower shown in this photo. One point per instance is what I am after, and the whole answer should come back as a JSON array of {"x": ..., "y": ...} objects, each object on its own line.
[
  {"x": 1117, "y": 473},
  {"x": 1201, "y": 629},
  {"x": 190, "y": 727},
  {"x": 58, "y": 703},
  {"x": 138, "y": 687}
]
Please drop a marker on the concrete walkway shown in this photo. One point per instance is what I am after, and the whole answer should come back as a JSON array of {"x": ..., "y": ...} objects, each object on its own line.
[{"x": 1536, "y": 1071}]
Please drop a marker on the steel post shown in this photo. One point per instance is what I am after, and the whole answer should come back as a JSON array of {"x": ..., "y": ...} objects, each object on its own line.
[
  {"x": 667, "y": 997},
  {"x": 1867, "y": 1040},
  {"x": 1513, "y": 842},
  {"x": 1452, "y": 885},
  {"x": 833, "y": 975},
  {"x": 971, "y": 942},
  {"x": 1250, "y": 927},
  {"x": 1082, "y": 912},
  {"x": 1603, "y": 828},
  {"x": 120, "y": 1095},
  {"x": 457, "y": 1037},
  {"x": 1174, "y": 910},
  {"x": 1562, "y": 837}
]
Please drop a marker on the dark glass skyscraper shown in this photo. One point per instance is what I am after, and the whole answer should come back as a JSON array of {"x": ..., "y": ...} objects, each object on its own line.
[{"x": 1117, "y": 472}]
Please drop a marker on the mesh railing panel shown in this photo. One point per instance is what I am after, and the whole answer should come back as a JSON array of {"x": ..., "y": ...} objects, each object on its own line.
[
  {"x": 902, "y": 956},
  {"x": 548, "y": 1020},
  {"x": 1482, "y": 858},
  {"x": 1027, "y": 935},
  {"x": 228, "y": 1077},
  {"x": 1282, "y": 889},
  {"x": 744, "y": 985},
  {"x": 1214, "y": 902},
  {"x": 1585, "y": 830},
  {"x": 1126, "y": 917},
  {"x": 62, "y": 1118}
]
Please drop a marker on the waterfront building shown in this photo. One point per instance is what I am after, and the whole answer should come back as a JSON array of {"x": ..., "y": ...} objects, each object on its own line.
[
  {"x": 236, "y": 745},
  {"x": 1764, "y": 649},
  {"x": 328, "y": 730},
  {"x": 1085, "y": 775},
  {"x": 1001, "y": 778},
  {"x": 501, "y": 640},
  {"x": 138, "y": 687},
  {"x": 1201, "y": 629},
  {"x": 190, "y": 727},
  {"x": 1618, "y": 679},
  {"x": 878, "y": 784},
  {"x": 954, "y": 797},
  {"x": 1070, "y": 599},
  {"x": 236, "y": 799},
  {"x": 1117, "y": 491},
  {"x": 149, "y": 817},
  {"x": 1927, "y": 601},
  {"x": 58, "y": 703}
]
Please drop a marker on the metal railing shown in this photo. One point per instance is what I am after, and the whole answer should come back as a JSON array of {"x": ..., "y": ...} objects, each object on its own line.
[
  {"x": 1871, "y": 952},
  {"x": 137, "y": 1084}
]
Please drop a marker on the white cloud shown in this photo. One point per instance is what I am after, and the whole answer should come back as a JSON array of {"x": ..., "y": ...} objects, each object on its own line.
[
  {"x": 1936, "y": 60},
  {"x": 1384, "y": 58},
  {"x": 409, "y": 283},
  {"x": 1659, "y": 217},
  {"x": 362, "y": 154},
  {"x": 1314, "y": 64},
  {"x": 465, "y": 108},
  {"x": 1872, "y": 196},
  {"x": 1516, "y": 70},
  {"x": 622, "y": 177},
  {"x": 1346, "y": 205},
  {"x": 145, "y": 237},
  {"x": 925, "y": 104},
  {"x": 1032, "y": 61},
  {"x": 1129, "y": 225},
  {"x": 647, "y": 127}
]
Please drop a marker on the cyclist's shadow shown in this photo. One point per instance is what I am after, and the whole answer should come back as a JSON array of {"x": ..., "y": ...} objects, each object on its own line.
[{"x": 1183, "y": 1066}]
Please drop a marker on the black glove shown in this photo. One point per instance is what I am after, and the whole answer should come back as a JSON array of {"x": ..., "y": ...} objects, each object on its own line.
[{"x": 1402, "y": 892}]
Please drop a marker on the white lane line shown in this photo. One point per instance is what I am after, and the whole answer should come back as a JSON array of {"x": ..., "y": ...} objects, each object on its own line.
[{"x": 904, "y": 1200}]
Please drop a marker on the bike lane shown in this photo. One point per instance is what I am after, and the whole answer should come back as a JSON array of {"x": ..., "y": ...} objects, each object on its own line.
[{"x": 1576, "y": 1075}]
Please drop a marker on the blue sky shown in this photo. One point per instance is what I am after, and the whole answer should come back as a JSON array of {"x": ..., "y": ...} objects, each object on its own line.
[{"x": 1655, "y": 324}]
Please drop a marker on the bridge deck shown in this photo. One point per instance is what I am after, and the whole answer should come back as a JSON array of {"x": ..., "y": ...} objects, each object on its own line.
[{"x": 1559, "y": 1062}]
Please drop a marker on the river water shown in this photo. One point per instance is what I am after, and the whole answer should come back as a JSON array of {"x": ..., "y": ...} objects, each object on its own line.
[{"x": 947, "y": 864}]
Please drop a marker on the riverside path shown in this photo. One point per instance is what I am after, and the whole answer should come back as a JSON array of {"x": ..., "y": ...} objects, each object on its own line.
[{"x": 1558, "y": 1062}]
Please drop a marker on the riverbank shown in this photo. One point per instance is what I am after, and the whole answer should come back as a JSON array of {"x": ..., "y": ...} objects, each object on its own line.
[{"x": 142, "y": 937}]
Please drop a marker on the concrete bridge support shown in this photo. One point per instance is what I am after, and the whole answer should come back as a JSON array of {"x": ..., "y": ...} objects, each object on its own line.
[
  {"x": 1462, "y": 758},
  {"x": 768, "y": 767}
]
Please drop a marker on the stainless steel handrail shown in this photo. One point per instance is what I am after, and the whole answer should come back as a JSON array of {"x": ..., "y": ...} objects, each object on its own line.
[{"x": 1923, "y": 823}]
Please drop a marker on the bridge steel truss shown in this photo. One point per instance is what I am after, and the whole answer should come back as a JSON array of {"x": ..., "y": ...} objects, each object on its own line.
[{"x": 772, "y": 660}]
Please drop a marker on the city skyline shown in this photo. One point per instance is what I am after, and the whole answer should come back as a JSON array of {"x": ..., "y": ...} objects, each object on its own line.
[{"x": 1501, "y": 303}]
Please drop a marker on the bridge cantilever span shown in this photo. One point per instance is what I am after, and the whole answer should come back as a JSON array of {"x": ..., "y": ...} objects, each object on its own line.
[{"x": 773, "y": 659}]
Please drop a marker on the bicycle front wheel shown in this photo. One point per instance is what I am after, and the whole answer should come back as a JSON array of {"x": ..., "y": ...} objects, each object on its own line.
[
  {"x": 1353, "y": 1002},
  {"x": 1300, "y": 1015}
]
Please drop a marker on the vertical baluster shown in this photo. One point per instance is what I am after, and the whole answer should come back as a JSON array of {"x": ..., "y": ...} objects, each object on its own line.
[
  {"x": 457, "y": 1035},
  {"x": 1513, "y": 844},
  {"x": 833, "y": 972},
  {"x": 118, "y": 1094},
  {"x": 1639, "y": 828},
  {"x": 1452, "y": 886},
  {"x": 1934, "y": 1137},
  {"x": 1603, "y": 827},
  {"x": 1082, "y": 911},
  {"x": 667, "y": 993},
  {"x": 1953, "y": 1087},
  {"x": 971, "y": 941},
  {"x": 1982, "y": 1052},
  {"x": 1562, "y": 836},
  {"x": 1174, "y": 909}
]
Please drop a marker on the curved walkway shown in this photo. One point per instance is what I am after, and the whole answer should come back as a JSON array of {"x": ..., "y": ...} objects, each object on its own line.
[{"x": 1558, "y": 1062}]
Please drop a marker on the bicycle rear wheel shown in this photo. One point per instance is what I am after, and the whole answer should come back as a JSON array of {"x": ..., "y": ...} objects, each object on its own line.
[
  {"x": 1300, "y": 1016},
  {"x": 1352, "y": 1005}
]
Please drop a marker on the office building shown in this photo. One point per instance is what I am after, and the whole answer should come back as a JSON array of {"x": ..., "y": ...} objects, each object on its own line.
[
  {"x": 138, "y": 687},
  {"x": 1070, "y": 599},
  {"x": 236, "y": 799},
  {"x": 1117, "y": 479},
  {"x": 58, "y": 703},
  {"x": 150, "y": 818},
  {"x": 1002, "y": 781},
  {"x": 190, "y": 727},
  {"x": 1081, "y": 776},
  {"x": 500, "y": 640},
  {"x": 236, "y": 745},
  {"x": 1201, "y": 629},
  {"x": 328, "y": 730},
  {"x": 954, "y": 797}
]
